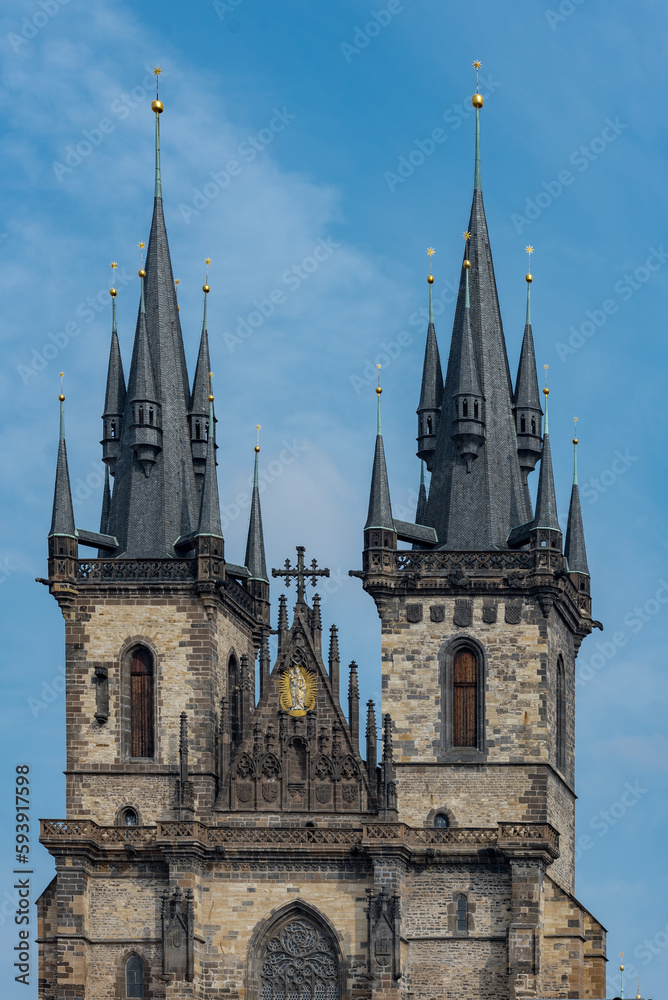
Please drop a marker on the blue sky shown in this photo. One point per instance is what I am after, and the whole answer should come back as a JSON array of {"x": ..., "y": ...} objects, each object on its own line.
[{"x": 295, "y": 126}]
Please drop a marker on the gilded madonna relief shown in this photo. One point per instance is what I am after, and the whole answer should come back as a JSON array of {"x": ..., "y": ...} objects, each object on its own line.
[{"x": 298, "y": 688}]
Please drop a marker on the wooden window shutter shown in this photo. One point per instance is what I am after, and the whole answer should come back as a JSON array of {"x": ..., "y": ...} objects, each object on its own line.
[
  {"x": 141, "y": 703},
  {"x": 465, "y": 698}
]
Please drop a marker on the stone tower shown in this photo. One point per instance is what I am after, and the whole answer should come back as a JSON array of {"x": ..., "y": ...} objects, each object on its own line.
[
  {"x": 482, "y": 620},
  {"x": 222, "y": 842}
]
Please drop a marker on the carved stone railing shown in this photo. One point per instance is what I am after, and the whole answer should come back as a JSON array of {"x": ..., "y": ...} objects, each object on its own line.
[
  {"x": 426, "y": 562},
  {"x": 241, "y": 597},
  {"x": 122, "y": 570},
  {"x": 517, "y": 836}
]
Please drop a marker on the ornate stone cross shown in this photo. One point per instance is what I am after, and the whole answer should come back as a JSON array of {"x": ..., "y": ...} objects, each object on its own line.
[{"x": 301, "y": 573}]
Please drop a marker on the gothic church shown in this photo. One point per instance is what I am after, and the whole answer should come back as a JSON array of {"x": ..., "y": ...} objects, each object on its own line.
[{"x": 225, "y": 842}]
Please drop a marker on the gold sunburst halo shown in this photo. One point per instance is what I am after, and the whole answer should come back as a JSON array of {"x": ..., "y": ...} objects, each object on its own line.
[{"x": 297, "y": 688}]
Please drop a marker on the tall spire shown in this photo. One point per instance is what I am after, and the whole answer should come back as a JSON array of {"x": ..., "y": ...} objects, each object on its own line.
[
  {"x": 431, "y": 390},
  {"x": 575, "y": 551},
  {"x": 255, "y": 560},
  {"x": 62, "y": 517},
  {"x": 199, "y": 406},
  {"x": 380, "y": 508},
  {"x": 475, "y": 505},
  {"x": 209, "y": 514},
  {"x": 528, "y": 412},
  {"x": 546, "y": 501},
  {"x": 152, "y": 502}
]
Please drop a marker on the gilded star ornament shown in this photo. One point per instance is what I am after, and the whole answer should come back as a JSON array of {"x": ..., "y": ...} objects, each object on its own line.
[
  {"x": 114, "y": 264},
  {"x": 477, "y": 64},
  {"x": 157, "y": 71},
  {"x": 431, "y": 252},
  {"x": 529, "y": 250}
]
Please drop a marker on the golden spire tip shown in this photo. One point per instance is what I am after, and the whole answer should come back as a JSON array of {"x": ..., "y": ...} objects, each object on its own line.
[
  {"x": 257, "y": 442},
  {"x": 205, "y": 287},
  {"x": 575, "y": 431},
  {"x": 211, "y": 387},
  {"x": 157, "y": 104},
  {"x": 477, "y": 100},
  {"x": 141, "y": 272},
  {"x": 61, "y": 397},
  {"x": 546, "y": 391},
  {"x": 430, "y": 277},
  {"x": 378, "y": 388},
  {"x": 467, "y": 237},
  {"x": 112, "y": 290},
  {"x": 529, "y": 276}
]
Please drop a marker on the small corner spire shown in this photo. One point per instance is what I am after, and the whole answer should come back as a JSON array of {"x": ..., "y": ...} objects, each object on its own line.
[
  {"x": 575, "y": 550},
  {"x": 421, "y": 507},
  {"x": 114, "y": 399},
  {"x": 477, "y": 102},
  {"x": 431, "y": 389},
  {"x": 199, "y": 407},
  {"x": 546, "y": 501},
  {"x": 380, "y": 508},
  {"x": 255, "y": 557},
  {"x": 62, "y": 517},
  {"x": 158, "y": 107},
  {"x": 209, "y": 514}
]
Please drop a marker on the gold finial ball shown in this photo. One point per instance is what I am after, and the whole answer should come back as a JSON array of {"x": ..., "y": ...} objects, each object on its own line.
[
  {"x": 477, "y": 101},
  {"x": 430, "y": 279},
  {"x": 621, "y": 968},
  {"x": 113, "y": 292},
  {"x": 158, "y": 107},
  {"x": 141, "y": 272},
  {"x": 546, "y": 391},
  {"x": 467, "y": 264},
  {"x": 210, "y": 398},
  {"x": 378, "y": 390},
  {"x": 61, "y": 398},
  {"x": 529, "y": 278},
  {"x": 206, "y": 289},
  {"x": 257, "y": 447},
  {"x": 575, "y": 441}
]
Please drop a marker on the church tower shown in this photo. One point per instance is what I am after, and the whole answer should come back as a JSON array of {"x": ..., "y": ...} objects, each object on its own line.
[
  {"x": 482, "y": 620},
  {"x": 225, "y": 841}
]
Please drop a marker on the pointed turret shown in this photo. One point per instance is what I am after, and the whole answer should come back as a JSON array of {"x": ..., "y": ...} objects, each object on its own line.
[
  {"x": 354, "y": 706},
  {"x": 106, "y": 503},
  {"x": 380, "y": 508},
  {"x": 431, "y": 391},
  {"x": 575, "y": 551},
  {"x": 114, "y": 400},
  {"x": 62, "y": 516},
  {"x": 421, "y": 507},
  {"x": 144, "y": 411},
  {"x": 473, "y": 504},
  {"x": 528, "y": 412},
  {"x": 468, "y": 421},
  {"x": 546, "y": 500},
  {"x": 255, "y": 557},
  {"x": 148, "y": 512},
  {"x": 209, "y": 513},
  {"x": 334, "y": 659},
  {"x": 199, "y": 407}
]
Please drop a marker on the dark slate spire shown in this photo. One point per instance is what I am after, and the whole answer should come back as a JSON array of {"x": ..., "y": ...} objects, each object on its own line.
[
  {"x": 468, "y": 423},
  {"x": 354, "y": 707},
  {"x": 431, "y": 391},
  {"x": 255, "y": 560},
  {"x": 62, "y": 517},
  {"x": 106, "y": 503},
  {"x": 528, "y": 412},
  {"x": 477, "y": 509},
  {"x": 334, "y": 659},
  {"x": 380, "y": 508},
  {"x": 114, "y": 400},
  {"x": 149, "y": 512},
  {"x": 209, "y": 513},
  {"x": 421, "y": 507},
  {"x": 575, "y": 551},
  {"x": 546, "y": 500},
  {"x": 199, "y": 406},
  {"x": 144, "y": 423}
]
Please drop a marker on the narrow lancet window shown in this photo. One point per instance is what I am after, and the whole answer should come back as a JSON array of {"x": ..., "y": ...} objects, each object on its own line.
[
  {"x": 141, "y": 703},
  {"x": 462, "y": 914},
  {"x": 464, "y": 699},
  {"x": 134, "y": 978}
]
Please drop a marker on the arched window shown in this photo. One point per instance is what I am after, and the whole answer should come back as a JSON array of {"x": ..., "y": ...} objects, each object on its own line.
[
  {"x": 150, "y": 415},
  {"x": 141, "y": 703},
  {"x": 134, "y": 977},
  {"x": 523, "y": 424},
  {"x": 234, "y": 696},
  {"x": 198, "y": 430},
  {"x": 561, "y": 716},
  {"x": 462, "y": 913},
  {"x": 475, "y": 409},
  {"x": 465, "y": 699},
  {"x": 465, "y": 408},
  {"x": 441, "y": 821},
  {"x": 533, "y": 425},
  {"x": 299, "y": 961},
  {"x": 429, "y": 425},
  {"x": 113, "y": 428},
  {"x": 141, "y": 414},
  {"x": 130, "y": 817}
]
